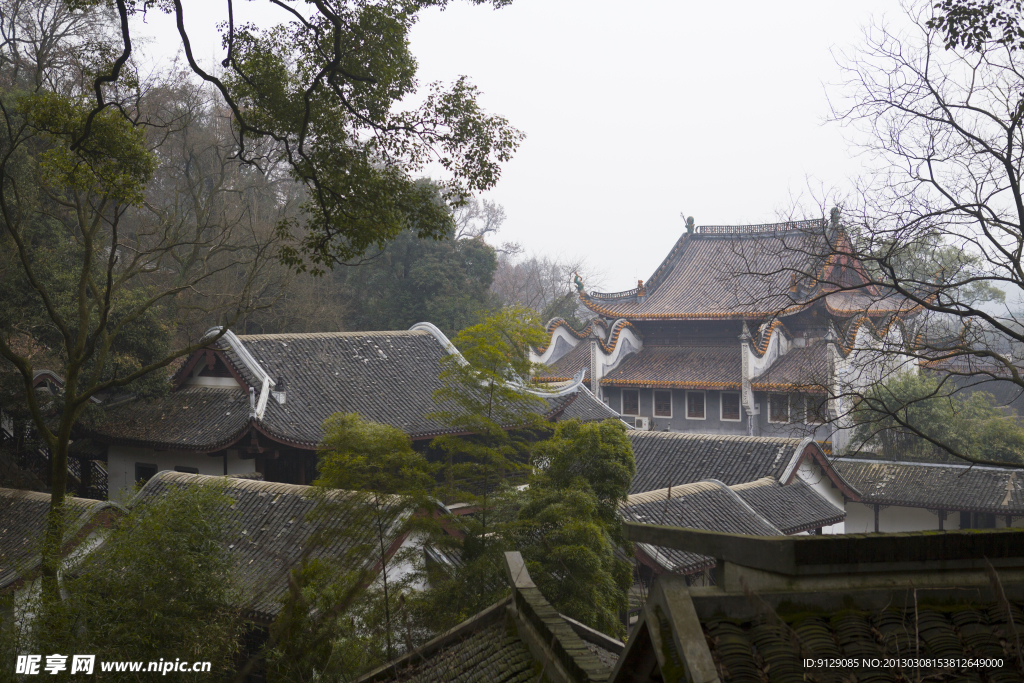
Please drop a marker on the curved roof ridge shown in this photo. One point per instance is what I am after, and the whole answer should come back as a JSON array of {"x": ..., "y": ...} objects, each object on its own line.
[
  {"x": 329, "y": 335},
  {"x": 659, "y": 495},
  {"x": 722, "y": 437},
  {"x": 755, "y": 229},
  {"x": 757, "y": 483}
]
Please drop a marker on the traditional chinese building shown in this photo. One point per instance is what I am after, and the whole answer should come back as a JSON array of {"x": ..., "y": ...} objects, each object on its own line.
[
  {"x": 258, "y": 402},
  {"x": 740, "y": 330}
]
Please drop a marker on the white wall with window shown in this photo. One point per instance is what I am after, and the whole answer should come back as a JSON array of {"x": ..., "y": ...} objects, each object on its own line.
[{"x": 127, "y": 464}]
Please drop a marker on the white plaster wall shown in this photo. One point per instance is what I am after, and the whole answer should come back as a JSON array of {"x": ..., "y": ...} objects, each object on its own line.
[
  {"x": 121, "y": 465},
  {"x": 860, "y": 518},
  {"x": 810, "y": 473}
]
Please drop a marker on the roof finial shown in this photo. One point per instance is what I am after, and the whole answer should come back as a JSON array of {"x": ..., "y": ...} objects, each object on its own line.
[
  {"x": 689, "y": 222},
  {"x": 578, "y": 281},
  {"x": 834, "y": 216}
]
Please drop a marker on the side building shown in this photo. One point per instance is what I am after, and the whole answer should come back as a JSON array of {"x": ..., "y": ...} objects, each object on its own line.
[
  {"x": 258, "y": 402},
  {"x": 747, "y": 330}
]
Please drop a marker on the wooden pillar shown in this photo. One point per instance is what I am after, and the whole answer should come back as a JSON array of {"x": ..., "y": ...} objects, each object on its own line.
[
  {"x": 225, "y": 463},
  {"x": 302, "y": 469},
  {"x": 1009, "y": 521},
  {"x": 876, "y": 517},
  {"x": 942, "y": 519}
]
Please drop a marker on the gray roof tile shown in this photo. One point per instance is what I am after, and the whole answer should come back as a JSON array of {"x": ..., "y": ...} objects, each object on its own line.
[
  {"x": 936, "y": 486},
  {"x": 665, "y": 458},
  {"x": 275, "y": 531}
]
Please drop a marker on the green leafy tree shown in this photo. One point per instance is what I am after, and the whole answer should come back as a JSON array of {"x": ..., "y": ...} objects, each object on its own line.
[
  {"x": 345, "y": 612},
  {"x": 159, "y": 586},
  {"x": 566, "y": 525},
  {"x": 915, "y": 416},
  {"x": 485, "y": 394},
  {"x": 569, "y": 527}
]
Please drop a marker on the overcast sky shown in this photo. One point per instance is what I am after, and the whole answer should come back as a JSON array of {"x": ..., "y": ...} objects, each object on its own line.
[{"x": 635, "y": 112}]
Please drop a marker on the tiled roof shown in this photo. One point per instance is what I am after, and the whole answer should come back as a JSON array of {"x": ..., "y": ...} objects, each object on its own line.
[
  {"x": 936, "y": 486},
  {"x": 980, "y": 631},
  {"x": 387, "y": 377},
  {"x": 708, "y": 505},
  {"x": 274, "y": 531},
  {"x": 23, "y": 524},
  {"x": 567, "y": 366},
  {"x": 680, "y": 366},
  {"x": 666, "y": 458},
  {"x": 854, "y": 302},
  {"x": 792, "y": 508},
  {"x": 586, "y": 407},
  {"x": 801, "y": 369},
  {"x": 732, "y": 274},
  {"x": 492, "y": 653},
  {"x": 491, "y": 645},
  {"x": 191, "y": 417}
]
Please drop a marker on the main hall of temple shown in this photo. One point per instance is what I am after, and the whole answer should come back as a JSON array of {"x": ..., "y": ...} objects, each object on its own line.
[{"x": 741, "y": 330}]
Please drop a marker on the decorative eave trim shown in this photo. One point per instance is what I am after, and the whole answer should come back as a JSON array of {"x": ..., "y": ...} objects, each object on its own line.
[
  {"x": 712, "y": 315},
  {"x": 792, "y": 388}
]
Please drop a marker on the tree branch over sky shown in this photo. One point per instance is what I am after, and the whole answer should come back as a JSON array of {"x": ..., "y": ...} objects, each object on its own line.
[
  {"x": 922, "y": 266},
  {"x": 325, "y": 87}
]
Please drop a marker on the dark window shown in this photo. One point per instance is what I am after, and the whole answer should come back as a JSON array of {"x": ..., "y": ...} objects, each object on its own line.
[
  {"x": 144, "y": 471},
  {"x": 730, "y": 406},
  {"x": 965, "y": 520},
  {"x": 778, "y": 407},
  {"x": 985, "y": 521},
  {"x": 816, "y": 408},
  {"x": 663, "y": 404},
  {"x": 695, "y": 405},
  {"x": 630, "y": 402},
  {"x": 186, "y": 470}
]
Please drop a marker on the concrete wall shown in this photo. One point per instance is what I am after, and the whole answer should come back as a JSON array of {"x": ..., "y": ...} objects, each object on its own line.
[{"x": 121, "y": 465}]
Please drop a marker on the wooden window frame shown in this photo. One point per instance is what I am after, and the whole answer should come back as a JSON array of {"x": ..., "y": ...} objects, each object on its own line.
[
  {"x": 809, "y": 409},
  {"x": 704, "y": 401},
  {"x": 654, "y": 398},
  {"x": 721, "y": 406},
  {"x": 789, "y": 409},
  {"x": 622, "y": 402}
]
